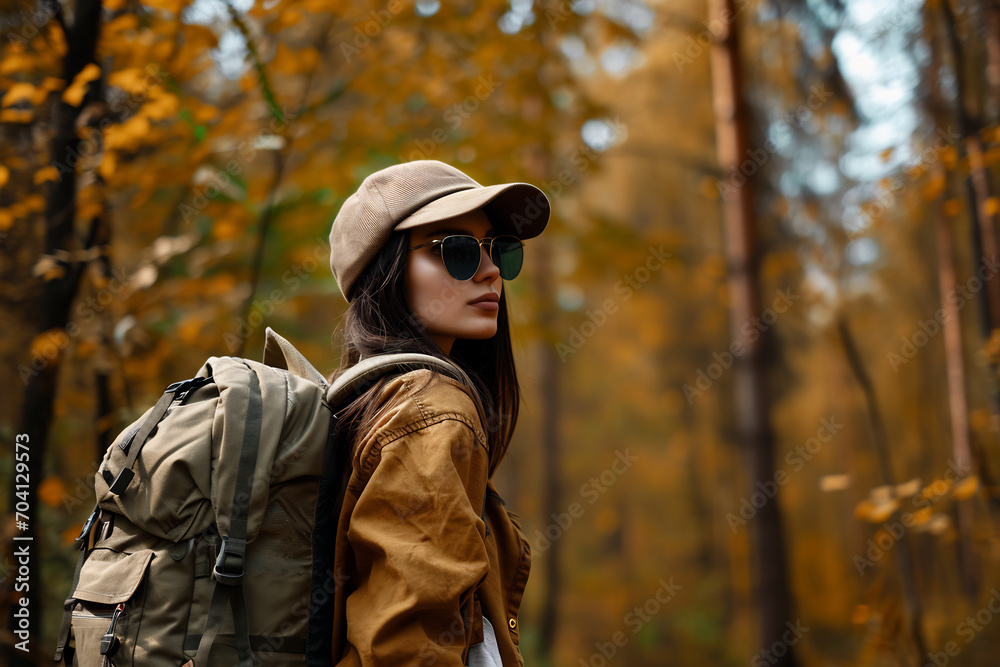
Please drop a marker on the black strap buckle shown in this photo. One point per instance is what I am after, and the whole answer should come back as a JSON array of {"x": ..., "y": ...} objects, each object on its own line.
[
  {"x": 183, "y": 388},
  {"x": 229, "y": 566}
]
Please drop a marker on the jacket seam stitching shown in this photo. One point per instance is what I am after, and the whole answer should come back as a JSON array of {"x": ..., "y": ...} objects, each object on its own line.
[{"x": 420, "y": 424}]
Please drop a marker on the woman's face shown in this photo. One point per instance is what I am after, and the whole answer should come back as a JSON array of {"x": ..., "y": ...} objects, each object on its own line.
[{"x": 441, "y": 303}]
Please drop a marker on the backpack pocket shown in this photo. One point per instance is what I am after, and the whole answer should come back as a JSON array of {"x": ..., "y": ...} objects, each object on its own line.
[{"x": 106, "y": 618}]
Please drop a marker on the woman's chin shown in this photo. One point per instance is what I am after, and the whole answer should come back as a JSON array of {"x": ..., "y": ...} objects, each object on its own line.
[{"x": 479, "y": 333}]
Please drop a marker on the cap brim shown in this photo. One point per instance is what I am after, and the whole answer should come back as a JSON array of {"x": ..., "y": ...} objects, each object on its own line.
[{"x": 520, "y": 209}]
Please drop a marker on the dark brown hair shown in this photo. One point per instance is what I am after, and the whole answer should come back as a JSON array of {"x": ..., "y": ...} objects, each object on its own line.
[{"x": 378, "y": 321}]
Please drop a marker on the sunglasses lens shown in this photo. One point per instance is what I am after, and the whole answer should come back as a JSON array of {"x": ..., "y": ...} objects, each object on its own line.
[
  {"x": 508, "y": 255},
  {"x": 461, "y": 256}
]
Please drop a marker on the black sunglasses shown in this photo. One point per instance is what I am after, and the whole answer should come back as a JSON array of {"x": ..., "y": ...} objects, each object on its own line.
[{"x": 461, "y": 255}]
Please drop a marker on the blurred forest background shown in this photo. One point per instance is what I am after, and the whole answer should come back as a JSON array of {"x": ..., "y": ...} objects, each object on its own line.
[{"x": 759, "y": 340}]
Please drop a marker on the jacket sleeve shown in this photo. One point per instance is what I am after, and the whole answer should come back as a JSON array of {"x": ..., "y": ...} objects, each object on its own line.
[{"x": 420, "y": 547}]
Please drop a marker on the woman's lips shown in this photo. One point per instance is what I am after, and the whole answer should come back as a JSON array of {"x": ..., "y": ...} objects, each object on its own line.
[{"x": 486, "y": 305}]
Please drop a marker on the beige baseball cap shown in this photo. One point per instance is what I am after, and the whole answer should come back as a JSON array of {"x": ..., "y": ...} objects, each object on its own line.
[{"x": 416, "y": 193}]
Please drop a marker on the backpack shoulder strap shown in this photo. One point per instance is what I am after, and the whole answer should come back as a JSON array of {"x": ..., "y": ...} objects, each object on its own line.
[
  {"x": 356, "y": 379},
  {"x": 353, "y": 381}
]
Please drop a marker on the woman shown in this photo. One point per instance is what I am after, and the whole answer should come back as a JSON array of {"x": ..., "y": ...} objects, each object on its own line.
[{"x": 431, "y": 566}]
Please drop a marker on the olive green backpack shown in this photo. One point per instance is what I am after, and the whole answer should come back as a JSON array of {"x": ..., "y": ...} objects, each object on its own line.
[{"x": 211, "y": 540}]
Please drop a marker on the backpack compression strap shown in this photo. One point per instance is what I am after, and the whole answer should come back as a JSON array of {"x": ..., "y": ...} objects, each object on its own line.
[{"x": 230, "y": 565}]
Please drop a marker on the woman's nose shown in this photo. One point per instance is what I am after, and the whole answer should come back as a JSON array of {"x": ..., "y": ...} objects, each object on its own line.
[{"x": 487, "y": 269}]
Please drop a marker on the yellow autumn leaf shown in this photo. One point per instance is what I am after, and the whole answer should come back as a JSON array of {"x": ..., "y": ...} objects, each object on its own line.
[
  {"x": 863, "y": 509},
  {"x": 49, "y": 344},
  {"x": 949, "y": 156},
  {"x": 935, "y": 186},
  {"x": 19, "y": 209},
  {"x": 85, "y": 348},
  {"x": 991, "y": 206},
  {"x": 15, "y": 116},
  {"x": 172, "y": 6},
  {"x": 606, "y": 521},
  {"x": 47, "y": 268},
  {"x": 4, "y": 175},
  {"x": 16, "y": 62},
  {"x": 284, "y": 61},
  {"x": 165, "y": 106},
  {"x": 45, "y": 174},
  {"x": 952, "y": 207},
  {"x": 189, "y": 330},
  {"x": 6, "y": 220},
  {"x": 34, "y": 203},
  {"x": 861, "y": 614},
  {"x": 17, "y": 93},
  {"x": 121, "y": 24},
  {"x": 708, "y": 186},
  {"x": 131, "y": 79},
  {"x": 107, "y": 167},
  {"x": 883, "y": 510},
  {"x": 829, "y": 483},
  {"x": 206, "y": 114},
  {"x": 53, "y": 83},
  {"x": 52, "y": 491},
  {"x": 875, "y": 511},
  {"x": 909, "y": 488},
  {"x": 225, "y": 230},
  {"x": 70, "y": 534},
  {"x": 316, "y": 6},
  {"x": 938, "y": 524},
  {"x": 936, "y": 489},
  {"x": 73, "y": 95},
  {"x": 966, "y": 488}
]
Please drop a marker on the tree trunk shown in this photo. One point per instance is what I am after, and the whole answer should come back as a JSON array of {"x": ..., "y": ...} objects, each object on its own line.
[
  {"x": 957, "y": 402},
  {"x": 752, "y": 418},
  {"x": 549, "y": 385}
]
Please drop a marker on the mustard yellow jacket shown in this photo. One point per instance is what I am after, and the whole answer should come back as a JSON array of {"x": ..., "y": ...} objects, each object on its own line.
[{"x": 425, "y": 544}]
